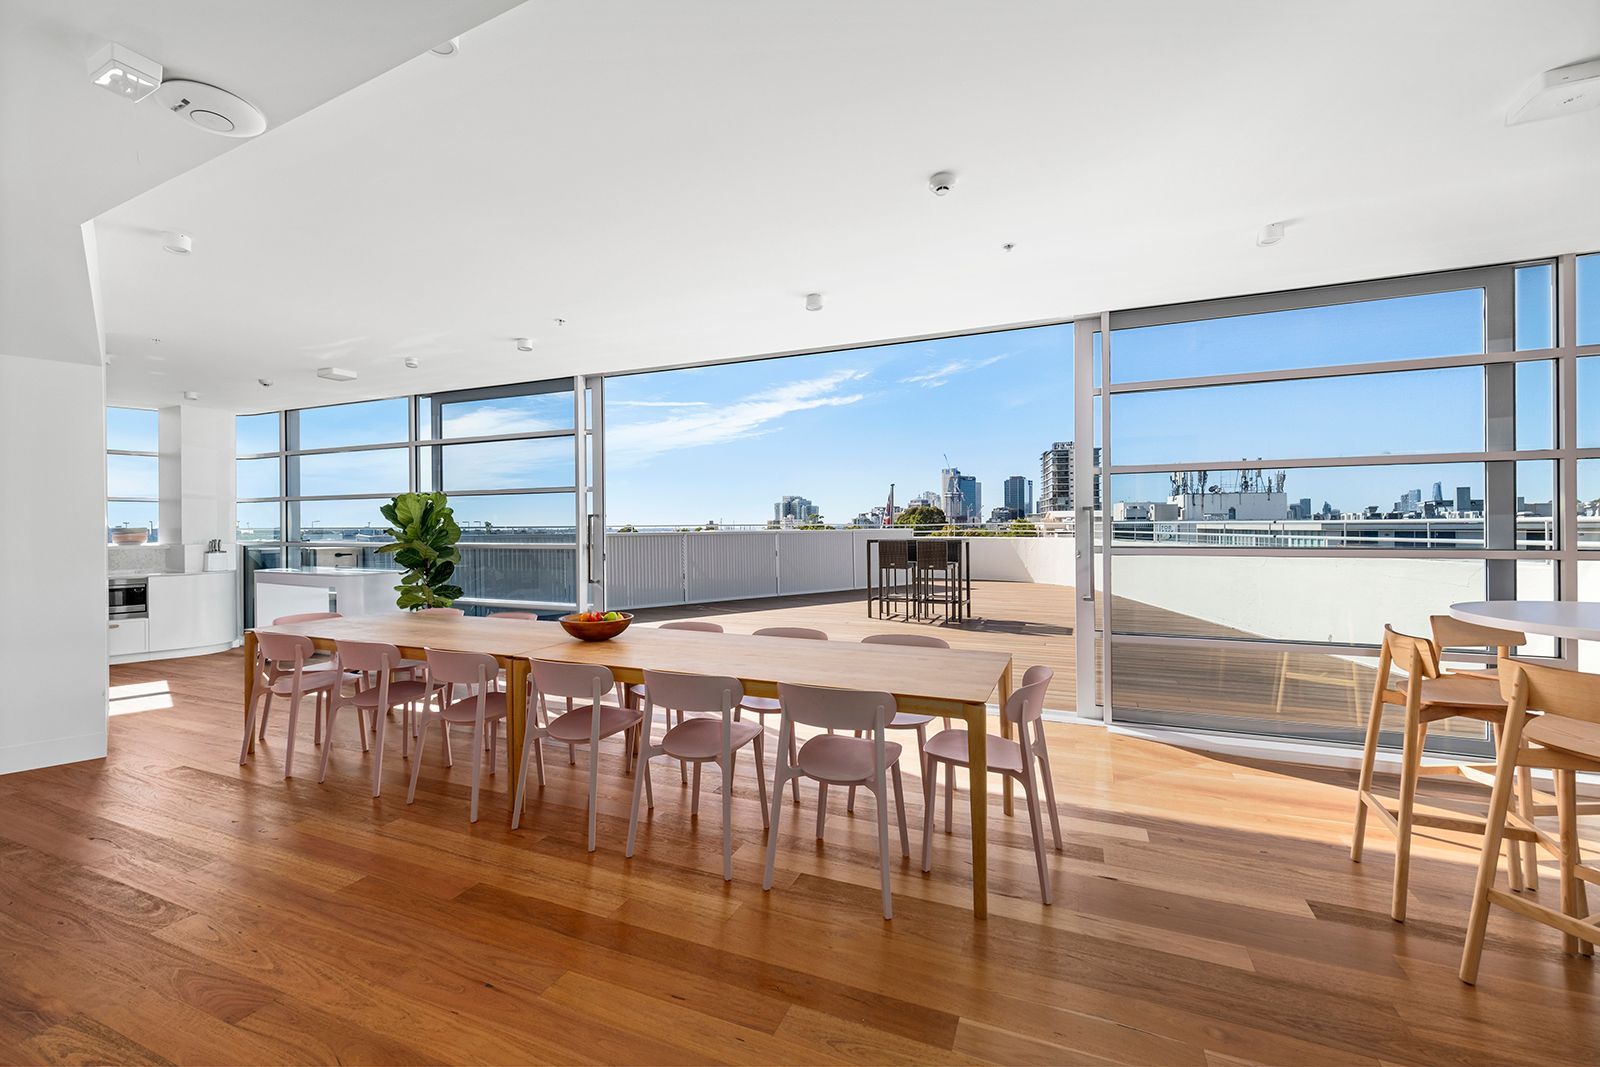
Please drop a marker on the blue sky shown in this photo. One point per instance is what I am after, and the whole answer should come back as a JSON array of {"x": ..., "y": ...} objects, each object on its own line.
[{"x": 724, "y": 443}]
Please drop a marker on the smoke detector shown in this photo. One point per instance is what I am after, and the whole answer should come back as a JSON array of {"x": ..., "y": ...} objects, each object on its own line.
[
  {"x": 179, "y": 244},
  {"x": 1563, "y": 91},
  {"x": 211, "y": 109},
  {"x": 941, "y": 183},
  {"x": 412, "y": 362},
  {"x": 190, "y": 394},
  {"x": 813, "y": 301}
]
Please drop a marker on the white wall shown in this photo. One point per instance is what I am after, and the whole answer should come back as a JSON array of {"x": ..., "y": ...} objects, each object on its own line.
[
  {"x": 53, "y": 628},
  {"x": 197, "y": 474}
]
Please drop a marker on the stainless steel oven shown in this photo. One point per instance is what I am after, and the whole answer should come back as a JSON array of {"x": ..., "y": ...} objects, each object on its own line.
[{"x": 129, "y": 598}]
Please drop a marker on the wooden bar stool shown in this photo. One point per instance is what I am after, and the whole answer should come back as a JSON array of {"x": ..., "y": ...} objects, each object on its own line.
[
  {"x": 1565, "y": 739},
  {"x": 1428, "y": 696}
]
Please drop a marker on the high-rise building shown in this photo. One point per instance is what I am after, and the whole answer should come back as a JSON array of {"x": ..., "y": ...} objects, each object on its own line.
[
  {"x": 1438, "y": 492},
  {"x": 1055, "y": 478},
  {"x": 793, "y": 510},
  {"x": 961, "y": 499},
  {"x": 1019, "y": 495},
  {"x": 1463, "y": 499}
]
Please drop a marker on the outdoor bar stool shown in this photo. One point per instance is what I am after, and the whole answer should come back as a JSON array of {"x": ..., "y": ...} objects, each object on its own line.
[
  {"x": 1564, "y": 739},
  {"x": 1428, "y": 695},
  {"x": 896, "y": 577},
  {"x": 939, "y": 576}
]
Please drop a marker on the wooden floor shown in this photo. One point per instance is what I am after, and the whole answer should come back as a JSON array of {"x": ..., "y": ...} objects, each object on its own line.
[{"x": 167, "y": 904}]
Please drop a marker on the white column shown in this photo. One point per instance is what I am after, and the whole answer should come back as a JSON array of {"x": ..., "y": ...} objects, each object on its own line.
[{"x": 53, "y": 633}]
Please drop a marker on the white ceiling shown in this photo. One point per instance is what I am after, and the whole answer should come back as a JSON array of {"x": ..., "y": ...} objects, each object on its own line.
[
  {"x": 70, "y": 150},
  {"x": 671, "y": 179}
]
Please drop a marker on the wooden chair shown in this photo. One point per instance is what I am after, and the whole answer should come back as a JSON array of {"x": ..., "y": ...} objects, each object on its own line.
[
  {"x": 1565, "y": 739},
  {"x": 1428, "y": 696}
]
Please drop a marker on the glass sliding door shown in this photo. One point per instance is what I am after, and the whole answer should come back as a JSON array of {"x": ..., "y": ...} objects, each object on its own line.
[{"x": 1288, "y": 473}]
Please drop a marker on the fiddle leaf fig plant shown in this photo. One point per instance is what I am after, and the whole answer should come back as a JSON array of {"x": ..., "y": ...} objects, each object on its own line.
[{"x": 424, "y": 532}]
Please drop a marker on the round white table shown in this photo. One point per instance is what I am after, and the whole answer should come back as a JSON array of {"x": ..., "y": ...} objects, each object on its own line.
[{"x": 1574, "y": 619}]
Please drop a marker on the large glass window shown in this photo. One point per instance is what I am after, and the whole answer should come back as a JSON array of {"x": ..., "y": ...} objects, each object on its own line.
[
  {"x": 133, "y": 474},
  {"x": 1250, "y": 597}
]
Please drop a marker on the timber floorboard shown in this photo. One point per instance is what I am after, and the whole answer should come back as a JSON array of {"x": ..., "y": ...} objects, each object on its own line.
[{"x": 169, "y": 905}]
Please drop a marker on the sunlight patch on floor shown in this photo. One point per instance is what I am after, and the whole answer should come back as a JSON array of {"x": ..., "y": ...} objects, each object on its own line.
[{"x": 139, "y": 696}]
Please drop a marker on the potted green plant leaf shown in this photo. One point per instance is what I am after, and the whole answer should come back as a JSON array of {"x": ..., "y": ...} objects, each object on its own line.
[{"x": 424, "y": 532}]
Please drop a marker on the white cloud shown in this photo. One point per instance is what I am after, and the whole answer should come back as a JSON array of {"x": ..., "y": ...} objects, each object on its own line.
[
  {"x": 740, "y": 419},
  {"x": 935, "y": 378}
]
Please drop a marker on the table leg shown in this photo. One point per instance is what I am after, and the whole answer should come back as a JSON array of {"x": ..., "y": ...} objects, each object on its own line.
[
  {"x": 249, "y": 681},
  {"x": 1005, "y": 731},
  {"x": 978, "y": 795},
  {"x": 516, "y": 719}
]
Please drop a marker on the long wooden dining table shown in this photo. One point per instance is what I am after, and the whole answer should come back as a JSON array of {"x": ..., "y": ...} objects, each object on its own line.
[{"x": 927, "y": 681}]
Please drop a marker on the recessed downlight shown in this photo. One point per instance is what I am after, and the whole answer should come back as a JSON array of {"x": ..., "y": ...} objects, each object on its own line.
[
  {"x": 813, "y": 301},
  {"x": 447, "y": 48},
  {"x": 523, "y": 344}
]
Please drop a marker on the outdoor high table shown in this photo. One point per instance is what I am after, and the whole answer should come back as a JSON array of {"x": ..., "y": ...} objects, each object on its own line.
[
  {"x": 960, "y": 605},
  {"x": 929, "y": 681}
]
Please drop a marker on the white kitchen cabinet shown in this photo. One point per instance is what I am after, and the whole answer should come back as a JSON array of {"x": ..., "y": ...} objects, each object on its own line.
[
  {"x": 193, "y": 611},
  {"x": 127, "y": 637}
]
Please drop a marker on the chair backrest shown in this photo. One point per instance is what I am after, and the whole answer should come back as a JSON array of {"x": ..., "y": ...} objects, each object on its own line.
[
  {"x": 1451, "y": 632},
  {"x": 309, "y": 616},
  {"x": 804, "y": 633},
  {"x": 461, "y": 668},
  {"x": 1566, "y": 694},
  {"x": 692, "y": 624},
  {"x": 894, "y": 553},
  {"x": 1036, "y": 672},
  {"x": 918, "y": 640},
  {"x": 573, "y": 680},
  {"x": 1027, "y": 700},
  {"x": 1414, "y": 655},
  {"x": 512, "y": 615},
  {"x": 284, "y": 648},
  {"x": 368, "y": 656},
  {"x": 703, "y": 693},
  {"x": 835, "y": 709},
  {"x": 439, "y": 611}
]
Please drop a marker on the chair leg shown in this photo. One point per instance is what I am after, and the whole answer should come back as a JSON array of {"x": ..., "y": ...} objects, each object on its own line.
[
  {"x": 1369, "y": 755},
  {"x": 949, "y": 798},
  {"x": 494, "y": 741},
  {"x": 694, "y": 802},
  {"x": 1035, "y": 826},
  {"x": 316, "y": 723},
  {"x": 266, "y": 710},
  {"x": 883, "y": 843},
  {"x": 761, "y": 781},
  {"x": 639, "y": 778},
  {"x": 294, "y": 723},
  {"x": 822, "y": 807},
  {"x": 449, "y": 756},
  {"x": 361, "y": 726},
  {"x": 479, "y": 735},
  {"x": 594, "y": 791},
  {"x": 727, "y": 816},
  {"x": 930, "y": 790},
  {"x": 1530, "y": 849},
  {"x": 249, "y": 729},
  {"x": 900, "y": 811},
  {"x": 772, "y": 835},
  {"x": 327, "y": 749},
  {"x": 1049, "y": 792},
  {"x": 794, "y": 758},
  {"x": 416, "y": 759},
  {"x": 1574, "y": 898},
  {"x": 1513, "y": 858},
  {"x": 1488, "y": 860},
  {"x": 1411, "y": 760},
  {"x": 530, "y": 747}
]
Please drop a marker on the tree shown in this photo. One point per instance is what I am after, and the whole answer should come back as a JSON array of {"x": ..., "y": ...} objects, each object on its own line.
[
  {"x": 921, "y": 515},
  {"x": 1022, "y": 528}
]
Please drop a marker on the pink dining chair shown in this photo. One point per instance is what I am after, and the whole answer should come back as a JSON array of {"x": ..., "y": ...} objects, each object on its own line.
[
  {"x": 637, "y": 690},
  {"x": 581, "y": 724},
  {"x": 1006, "y": 757},
  {"x": 379, "y": 692},
  {"x": 833, "y": 759},
  {"x": 905, "y": 720},
  {"x": 484, "y": 707},
  {"x": 457, "y": 612},
  {"x": 698, "y": 739},
  {"x": 273, "y": 650},
  {"x": 317, "y": 661},
  {"x": 764, "y": 706}
]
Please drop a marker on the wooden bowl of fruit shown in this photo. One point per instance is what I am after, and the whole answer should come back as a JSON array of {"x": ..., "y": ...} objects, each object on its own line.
[{"x": 596, "y": 625}]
